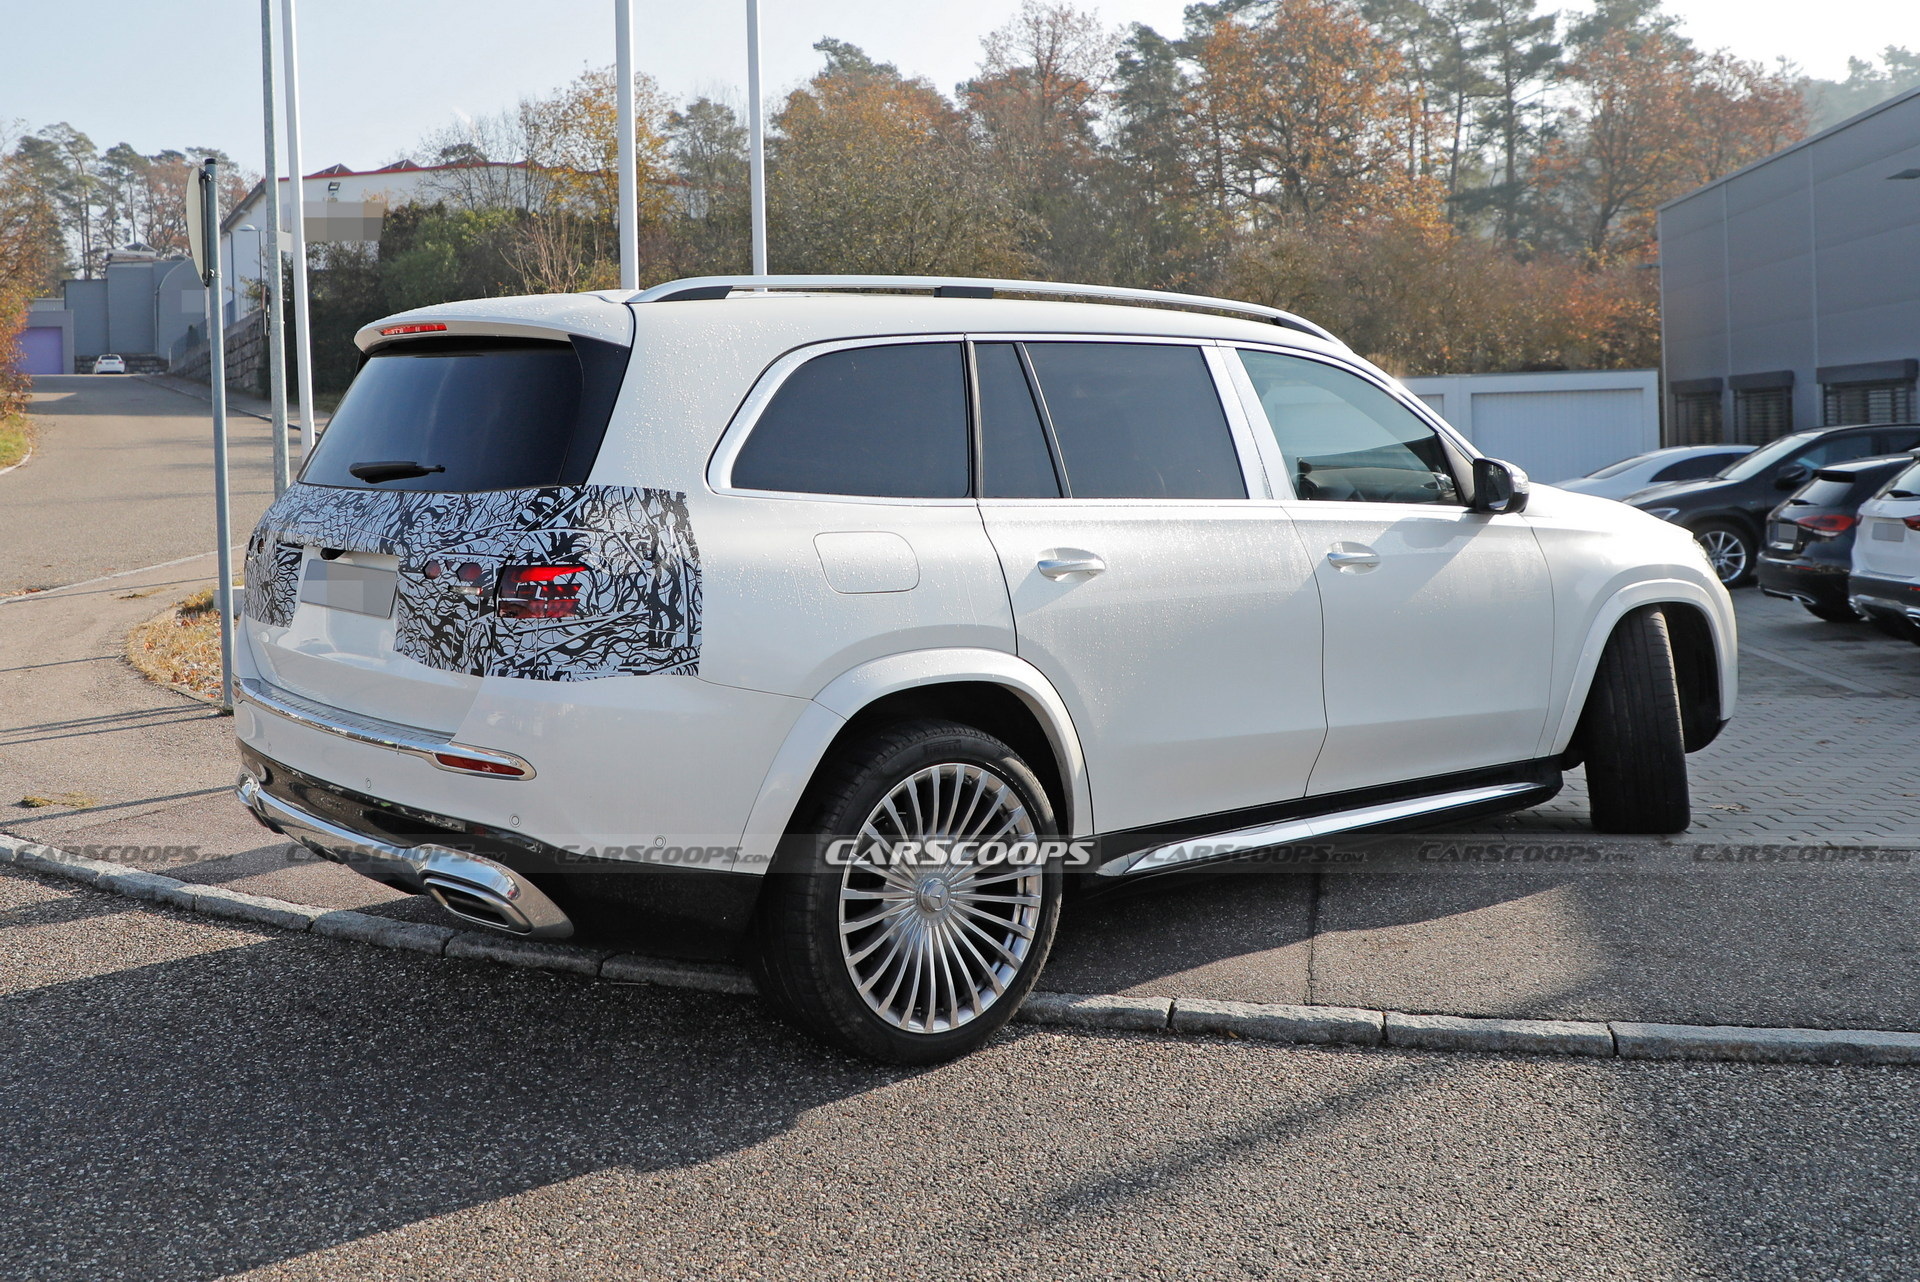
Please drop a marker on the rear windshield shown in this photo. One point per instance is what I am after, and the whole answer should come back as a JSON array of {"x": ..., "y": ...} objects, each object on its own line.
[
  {"x": 1833, "y": 491},
  {"x": 455, "y": 415}
]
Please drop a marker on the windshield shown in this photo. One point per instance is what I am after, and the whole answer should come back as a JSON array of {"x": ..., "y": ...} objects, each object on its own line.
[{"x": 1749, "y": 465}]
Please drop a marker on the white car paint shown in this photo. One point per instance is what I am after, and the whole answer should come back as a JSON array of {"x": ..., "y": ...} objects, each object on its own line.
[
  {"x": 1219, "y": 662},
  {"x": 1642, "y": 470}
]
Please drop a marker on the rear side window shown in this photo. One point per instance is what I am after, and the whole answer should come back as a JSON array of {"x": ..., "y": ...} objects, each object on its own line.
[
  {"x": 886, "y": 422},
  {"x": 1137, "y": 421},
  {"x": 1015, "y": 462},
  {"x": 471, "y": 415}
]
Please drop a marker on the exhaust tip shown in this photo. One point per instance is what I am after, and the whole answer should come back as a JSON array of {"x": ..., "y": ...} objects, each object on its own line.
[{"x": 488, "y": 894}]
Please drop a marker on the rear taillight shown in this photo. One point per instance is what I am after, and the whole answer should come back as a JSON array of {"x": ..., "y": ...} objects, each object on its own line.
[
  {"x": 1827, "y": 524},
  {"x": 1911, "y": 522},
  {"x": 538, "y": 591}
]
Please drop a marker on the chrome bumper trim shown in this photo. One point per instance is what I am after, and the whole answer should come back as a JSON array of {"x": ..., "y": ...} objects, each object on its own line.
[
  {"x": 1228, "y": 844},
  {"x": 470, "y": 887},
  {"x": 425, "y": 744}
]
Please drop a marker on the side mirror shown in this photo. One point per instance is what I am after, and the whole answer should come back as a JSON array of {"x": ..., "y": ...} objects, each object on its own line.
[
  {"x": 1499, "y": 487},
  {"x": 1792, "y": 478}
]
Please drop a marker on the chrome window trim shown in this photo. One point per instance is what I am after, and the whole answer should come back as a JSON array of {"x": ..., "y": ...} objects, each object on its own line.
[{"x": 374, "y": 732}]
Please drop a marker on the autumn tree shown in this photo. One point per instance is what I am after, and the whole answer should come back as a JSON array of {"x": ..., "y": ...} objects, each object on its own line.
[
  {"x": 874, "y": 172},
  {"x": 32, "y": 257}
]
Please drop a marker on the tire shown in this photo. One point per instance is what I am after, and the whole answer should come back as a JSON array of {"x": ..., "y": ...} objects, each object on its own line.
[
  {"x": 1730, "y": 550},
  {"x": 1630, "y": 732},
  {"x": 1833, "y": 613},
  {"x": 929, "y": 970}
]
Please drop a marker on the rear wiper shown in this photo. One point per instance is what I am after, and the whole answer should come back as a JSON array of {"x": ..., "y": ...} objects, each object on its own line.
[
  {"x": 397, "y": 470},
  {"x": 1902, "y": 494}
]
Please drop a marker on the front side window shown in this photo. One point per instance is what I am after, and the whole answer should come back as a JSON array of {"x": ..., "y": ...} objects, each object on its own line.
[
  {"x": 1137, "y": 421},
  {"x": 1345, "y": 439},
  {"x": 886, "y": 422}
]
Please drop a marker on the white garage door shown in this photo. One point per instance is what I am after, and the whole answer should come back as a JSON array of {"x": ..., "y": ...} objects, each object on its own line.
[{"x": 1557, "y": 435}]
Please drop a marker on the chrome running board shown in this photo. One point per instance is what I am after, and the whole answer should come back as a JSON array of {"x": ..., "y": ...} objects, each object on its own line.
[{"x": 1225, "y": 845}]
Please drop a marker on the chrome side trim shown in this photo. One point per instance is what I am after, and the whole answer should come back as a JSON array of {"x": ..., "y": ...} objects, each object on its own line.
[
  {"x": 471, "y": 887},
  {"x": 391, "y": 735},
  {"x": 1227, "y": 844}
]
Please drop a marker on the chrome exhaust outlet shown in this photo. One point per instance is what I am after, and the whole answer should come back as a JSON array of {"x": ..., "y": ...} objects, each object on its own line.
[{"x": 471, "y": 887}]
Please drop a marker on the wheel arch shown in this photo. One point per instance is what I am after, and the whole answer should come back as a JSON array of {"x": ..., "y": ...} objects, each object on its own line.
[
  {"x": 1701, "y": 630},
  {"x": 996, "y": 692}
]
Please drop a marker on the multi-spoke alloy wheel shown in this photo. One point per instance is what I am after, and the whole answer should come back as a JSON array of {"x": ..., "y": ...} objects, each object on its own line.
[
  {"x": 932, "y": 940},
  {"x": 1727, "y": 551},
  {"x": 909, "y": 912}
]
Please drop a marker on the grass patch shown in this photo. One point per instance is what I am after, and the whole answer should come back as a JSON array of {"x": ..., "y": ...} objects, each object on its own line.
[
  {"x": 16, "y": 439},
  {"x": 180, "y": 647},
  {"x": 76, "y": 800}
]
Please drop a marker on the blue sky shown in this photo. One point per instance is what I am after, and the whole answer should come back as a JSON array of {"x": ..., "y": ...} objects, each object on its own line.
[{"x": 377, "y": 74}]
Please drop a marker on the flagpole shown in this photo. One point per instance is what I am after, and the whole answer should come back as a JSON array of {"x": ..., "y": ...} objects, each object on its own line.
[
  {"x": 756, "y": 142},
  {"x": 276, "y": 338},
  {"x": 302, "y": 315},
  {"x": 629, "y": 171}
]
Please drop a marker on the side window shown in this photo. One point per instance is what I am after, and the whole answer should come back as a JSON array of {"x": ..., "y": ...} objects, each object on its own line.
[
  {"x": 1015, "y": 462},
  {"x": 1345, "y": 439},
  {"x": 888, "y": 421},
  {"x": 1137, "y": 421},
  {"x": 1691, "y": 469},
  {"x": 1898, "y": 442}
]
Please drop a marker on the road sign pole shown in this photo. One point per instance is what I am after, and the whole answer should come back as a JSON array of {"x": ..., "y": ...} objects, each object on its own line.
[
  {"x": 217, "y": 371},
  {"x": 629, "y": 166},
  {"x": 756, "y": 142},
  {"x": 276, "y": 337}
]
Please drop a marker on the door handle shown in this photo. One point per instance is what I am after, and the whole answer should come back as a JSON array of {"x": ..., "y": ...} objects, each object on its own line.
[
  {"x": 1352, "y": 556},
  {"x": 1069, "y": 561}
]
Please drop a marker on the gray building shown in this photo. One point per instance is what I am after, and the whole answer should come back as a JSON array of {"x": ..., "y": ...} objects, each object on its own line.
[
  {"x": 1790, "y": 289},
  {"x": 140, "y": 306}
]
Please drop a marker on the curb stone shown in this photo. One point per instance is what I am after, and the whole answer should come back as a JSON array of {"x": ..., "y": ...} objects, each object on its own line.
[
  {"x": 1322, "y": 1025},
  {"x": 1538, "y": 1036},
  {"x": 1344, "y": 1025}
]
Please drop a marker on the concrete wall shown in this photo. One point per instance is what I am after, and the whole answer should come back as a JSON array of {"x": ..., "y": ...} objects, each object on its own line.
[
  {"x": 1556, "y": 425},
  {"x": 1807, "y": 259},
  {"x": 140, "y": 308}
]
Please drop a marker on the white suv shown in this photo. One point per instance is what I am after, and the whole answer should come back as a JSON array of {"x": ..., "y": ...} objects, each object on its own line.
[
  {"x": 1885, "y": 583},
  {"x": 843, "y": 627}
]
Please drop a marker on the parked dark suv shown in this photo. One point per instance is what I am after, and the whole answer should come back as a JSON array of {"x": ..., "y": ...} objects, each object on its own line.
[
  {"x": 1727, "y": 513},
  {"x": 1810, "y": 537}
]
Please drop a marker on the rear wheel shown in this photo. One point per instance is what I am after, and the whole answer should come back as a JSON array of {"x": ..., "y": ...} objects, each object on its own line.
[
  {"x": 1729, "y": 550},
  {"x": 908, "y": 957},
  {"x": 1631, "y": 735}
]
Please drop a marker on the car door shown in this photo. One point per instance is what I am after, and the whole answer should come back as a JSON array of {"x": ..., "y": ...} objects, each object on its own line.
[
  {"x": 1176, "y": 615},
  {"x": 1437, "y": 620}
]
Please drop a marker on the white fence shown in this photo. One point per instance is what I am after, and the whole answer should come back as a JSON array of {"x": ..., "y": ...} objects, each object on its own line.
[{"x": 1556, "y": 425}]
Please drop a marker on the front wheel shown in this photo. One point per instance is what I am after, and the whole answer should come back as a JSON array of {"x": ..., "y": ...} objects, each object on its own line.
[
  {"x": 878, "y": 944},
  {"x": 1631, "y": 733},
  {"x": 1729, "y": 550}
]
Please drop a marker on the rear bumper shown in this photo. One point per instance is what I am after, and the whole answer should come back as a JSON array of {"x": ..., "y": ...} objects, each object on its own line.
[
  {"x": 1809, "y": 582},
  {"x": 1898, "y": 597},
  {"x": 470, "y": 867}
]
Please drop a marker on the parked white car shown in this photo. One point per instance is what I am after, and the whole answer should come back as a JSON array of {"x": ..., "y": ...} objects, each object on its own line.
[
  {"x": 1656, "y": 467},
  {"x": 846, "y": 630},
  {"x": 109, "y": 364},
  {"x": 1884, "y": 584}
]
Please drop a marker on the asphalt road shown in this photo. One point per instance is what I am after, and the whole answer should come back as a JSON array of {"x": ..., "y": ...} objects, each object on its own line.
[
  {"x": 122, "y": 478},
  {"x": 191, "y": 1100}
]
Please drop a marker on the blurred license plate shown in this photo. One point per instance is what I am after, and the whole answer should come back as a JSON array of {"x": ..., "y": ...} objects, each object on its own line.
[
  {"x": 362, "y": 589},
  {"x": 1785, "y": 535},
  {"x": 1889, "y": 531}
]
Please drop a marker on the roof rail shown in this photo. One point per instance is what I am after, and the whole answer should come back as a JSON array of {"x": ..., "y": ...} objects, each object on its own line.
[{"x": 711, "y": 287}]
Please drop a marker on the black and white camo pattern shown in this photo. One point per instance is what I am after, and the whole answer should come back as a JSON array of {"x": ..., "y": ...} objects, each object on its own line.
[{"x": 639, "y": 611}]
